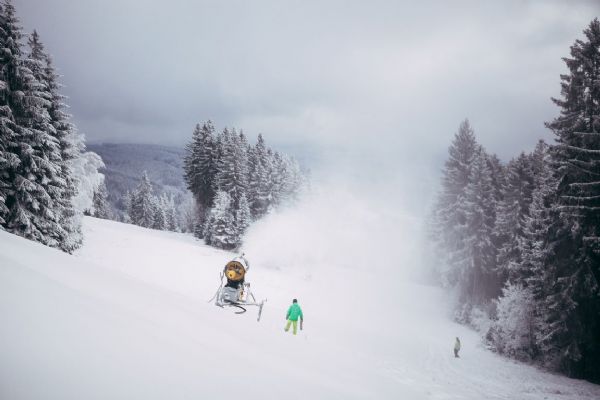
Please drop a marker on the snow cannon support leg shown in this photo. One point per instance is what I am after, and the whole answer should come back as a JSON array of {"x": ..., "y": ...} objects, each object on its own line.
[{"x": 260, "y": 307}]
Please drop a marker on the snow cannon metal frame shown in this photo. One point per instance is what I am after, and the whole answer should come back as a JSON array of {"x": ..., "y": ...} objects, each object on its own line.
[{"x": 236, "y": 292}]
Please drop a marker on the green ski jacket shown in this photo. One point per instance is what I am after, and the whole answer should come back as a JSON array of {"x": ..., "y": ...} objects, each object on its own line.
[{"x": 294, "y": 312}]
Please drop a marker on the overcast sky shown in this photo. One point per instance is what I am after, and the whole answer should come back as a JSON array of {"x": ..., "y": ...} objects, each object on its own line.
[{"x": 375, "y": 79}]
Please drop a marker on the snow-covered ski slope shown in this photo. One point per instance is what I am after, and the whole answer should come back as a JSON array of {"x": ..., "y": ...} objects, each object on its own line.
[{"x": 127, "y": 317}]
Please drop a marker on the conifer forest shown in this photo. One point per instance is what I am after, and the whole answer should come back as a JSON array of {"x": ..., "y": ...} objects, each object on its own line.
[{"x": 519, "y": 242}]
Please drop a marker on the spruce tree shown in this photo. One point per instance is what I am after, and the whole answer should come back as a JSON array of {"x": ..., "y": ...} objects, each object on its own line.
[
  {"x": 254, "y": 169},
  {"x": 220, "y": 228},
  {"x": 240, "y": 168},
  {"x": 159, "y": 220},
  {"x": 513, "y": 209},
  {"x": 101, "y": 208},
  {"x": 64, "y": 132},
  {"x": 449, "y": 221},
  {"x": 498, "y": 173},
  {"x": 252, "y": 176},
  {"x": 537, "y": 222},
  {"x": 537, "y": 250},
  {"x": 479, "y": 281},
  {"x": 243, "y": 218},
  {"x": 11, "y": 135},
  {"x": 270, "y": 179},
  {"x": 512, "y": 333},
  {"x": 278, "y": 177},
  {"x": 232, "y": 165},
  {"x": 292, "y": 178},
  {"x": 34, "y": 182},
  {"x": 143, "y": 205},
  {"x": 200, "y": 168},
  {"x": 86, "y": 175},
  {"x": 576, "y": 265},
  {"x": 259, "y": 185},
  {"x": 168, "y": 205},
  {"x": 62, "y": 187},
  {"x": 128, "y": 200}
]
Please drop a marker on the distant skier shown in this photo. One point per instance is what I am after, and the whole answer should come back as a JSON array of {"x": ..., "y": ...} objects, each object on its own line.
[
  {"x": 293, "y": 313},
  {"x": 456, "y": 347}
]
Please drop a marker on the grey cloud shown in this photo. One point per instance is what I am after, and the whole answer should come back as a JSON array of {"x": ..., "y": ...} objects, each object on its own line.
[{"x": 363, "y": 80}]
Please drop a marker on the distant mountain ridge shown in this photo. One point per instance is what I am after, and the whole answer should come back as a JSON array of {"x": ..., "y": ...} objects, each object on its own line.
[{"x": 126, "y": 162}]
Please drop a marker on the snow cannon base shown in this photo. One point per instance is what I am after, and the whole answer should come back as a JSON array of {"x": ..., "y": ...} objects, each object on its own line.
[{"x": 236, "y": 293}]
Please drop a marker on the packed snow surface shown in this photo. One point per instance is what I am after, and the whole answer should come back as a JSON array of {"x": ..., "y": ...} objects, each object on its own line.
[{"x": 127, "y": 317}]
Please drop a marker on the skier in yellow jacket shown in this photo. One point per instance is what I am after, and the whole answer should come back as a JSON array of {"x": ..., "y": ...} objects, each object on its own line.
[
  {"x": 293, "y": 313},
  {"x": 456, "y": 347}
]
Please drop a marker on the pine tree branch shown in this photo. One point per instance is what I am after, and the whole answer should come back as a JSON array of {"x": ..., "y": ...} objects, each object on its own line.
[
  {"x": 579, "y": 149},
  {"x": 578, "y": 164},
  {"x": 587, "y": 133},
  {"x": 582, "y": 198},
  {"x": 586, "y": 208},
  {"x": 584, "y": 184}
]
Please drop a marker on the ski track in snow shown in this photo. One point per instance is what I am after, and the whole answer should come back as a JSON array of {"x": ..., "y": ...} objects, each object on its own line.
[{"x": 127, "y": 317}]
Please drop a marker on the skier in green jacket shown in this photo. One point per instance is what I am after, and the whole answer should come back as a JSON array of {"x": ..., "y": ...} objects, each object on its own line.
[{"x": 293, "y": 313}]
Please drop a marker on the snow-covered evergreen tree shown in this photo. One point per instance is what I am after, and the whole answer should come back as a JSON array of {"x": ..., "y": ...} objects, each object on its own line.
[
  {"x": 278, "y": 177},
  {"x": 199, "y": 228},
  {"x": 47, "y": 145},
  {"x": 36, "y": 185},
  {"x": 526, "y": 294},
  {"x": 478, "y": 279},
  {"x": 86, "y": 175},
  {"x": 101, "y": 208},
  {"x": 449, "y": 221},
  {"x": 538, "y": 221},
  {"x": 61, "y": 130},
  {"x": 259, "y": 193},
  {"x": 33, "y": 181},
  {"x": 65, "y": 177},
  {"x": 171, "y": 220},
  {"x": 271, "y": 180},
  {"x": 546, "y": 231},
  {"x": 243, "y": 219},
  {"x": 293, "y": 180},
  {"x": 252, "y": 175},
  {"x": 512, "y": 333},
  {"x": 241, "y": 168},
  {"x": 498, "y": 173},
  {"x": 537, "y": 251},
  {"x": 143, "y": 204},
  {"x": 13, "y": 139},
  {"x": 159, "y": 220},
  {"x": 200, "y": 168},
  {"x": 187, "y": 213},
  {"x": 463, "y": 224},
  {"x": 575, "y": 295},
  {"x": 513, "y": 209},
  {"x": 232, "y": 165},
  {"x": 64, "y": 131},
  {"x": 220, "y": 230},
  {"x": 128, "y": 201}
]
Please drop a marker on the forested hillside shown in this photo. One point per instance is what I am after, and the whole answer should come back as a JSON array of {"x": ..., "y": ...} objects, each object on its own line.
[
  {"x": 520, "y": 242},
  {"x": 126, "y": 163}
]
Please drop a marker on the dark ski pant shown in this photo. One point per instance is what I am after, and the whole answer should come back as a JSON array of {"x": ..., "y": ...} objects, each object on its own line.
[{"x": 456, "y": 353}]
